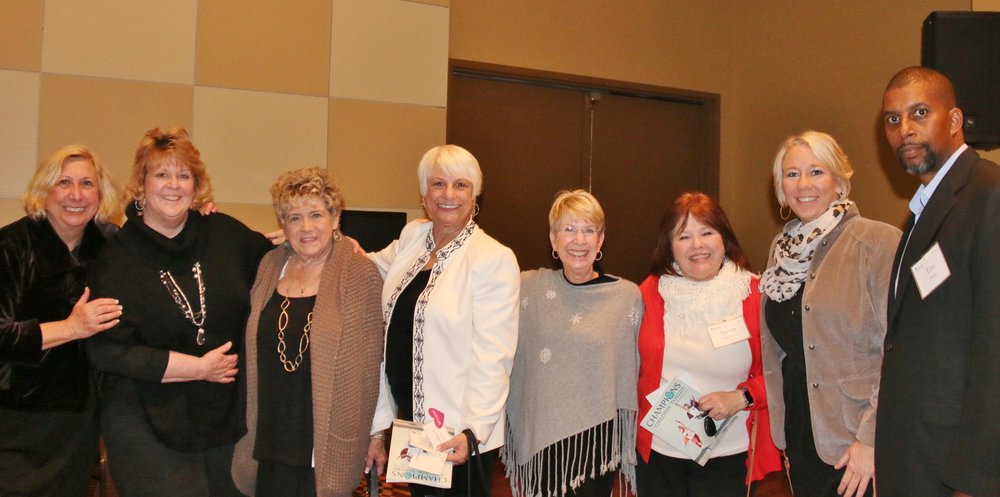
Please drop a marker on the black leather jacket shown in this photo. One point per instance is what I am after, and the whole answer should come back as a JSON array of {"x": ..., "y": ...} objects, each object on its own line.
[{"x": 40, "y": 281}]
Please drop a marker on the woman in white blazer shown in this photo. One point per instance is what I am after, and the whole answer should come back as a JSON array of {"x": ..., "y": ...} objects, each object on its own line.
[{"x": 450, "y": 304}]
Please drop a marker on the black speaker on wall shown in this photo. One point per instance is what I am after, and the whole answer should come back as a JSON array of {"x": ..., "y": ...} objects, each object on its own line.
[{"x": 965, "y": 46}]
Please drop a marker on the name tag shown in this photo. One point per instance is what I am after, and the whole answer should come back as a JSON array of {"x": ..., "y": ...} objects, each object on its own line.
[
  {"x": 930, "y": 271},
  {"x": 728, "y": 332}
]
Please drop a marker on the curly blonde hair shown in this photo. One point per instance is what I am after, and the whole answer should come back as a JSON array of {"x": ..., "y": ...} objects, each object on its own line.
[
  {"x": 309, "y": 182},
  {"x": 173, "y": 144}
]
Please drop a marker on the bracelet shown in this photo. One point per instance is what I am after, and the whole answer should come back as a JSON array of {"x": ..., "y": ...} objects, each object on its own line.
[{"x": 378, "y": 436}]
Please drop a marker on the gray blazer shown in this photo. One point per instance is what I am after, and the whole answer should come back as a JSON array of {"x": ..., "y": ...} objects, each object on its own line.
[{"x": 843, "y": 325}]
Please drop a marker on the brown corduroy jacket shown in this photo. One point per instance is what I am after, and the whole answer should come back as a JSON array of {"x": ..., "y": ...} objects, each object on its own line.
[{"x": 346, "y": 344}]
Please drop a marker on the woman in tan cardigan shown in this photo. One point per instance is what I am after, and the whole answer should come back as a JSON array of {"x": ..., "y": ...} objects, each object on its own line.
[{"x": 313, "y": 348}]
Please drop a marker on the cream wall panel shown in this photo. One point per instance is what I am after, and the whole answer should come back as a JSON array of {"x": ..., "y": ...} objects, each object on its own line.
[
  {"x": 389, "y": 51},
  {"x": 375, "y": 148},
  {"x": 248, "y": 138},
  {"x": 21, "y": 25},
  {"x": 142, "y": 40},
  {"x": 267, "y": 45},
  {"x": 19, "y": 94},
  {"x": 109, "y": 116}
]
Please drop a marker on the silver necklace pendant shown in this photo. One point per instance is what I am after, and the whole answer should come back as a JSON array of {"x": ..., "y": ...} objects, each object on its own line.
[{"x": 181, "y": 299}]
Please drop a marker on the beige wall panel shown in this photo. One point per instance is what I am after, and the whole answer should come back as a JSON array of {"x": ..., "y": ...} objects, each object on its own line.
[
  {"x": 19, "y": 94},
  {"x": 10, "y": 210},
  {"x": 265, "y": 45},
  {"x": 109, "y": 116},
  {"x": 375, "y": 147},
  {"x": 248, "y": 138},
  {"x": 389, "y": 51},
  {"x": 141, "y": 40},
  {"x": 21, "y": 25},
  {"x": 442, "y": 3},
  {"x": 258, "y": 217}
]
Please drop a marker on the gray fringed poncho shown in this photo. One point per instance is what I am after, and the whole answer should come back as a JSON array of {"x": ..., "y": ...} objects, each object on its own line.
[{"x": 571, "y": 413}]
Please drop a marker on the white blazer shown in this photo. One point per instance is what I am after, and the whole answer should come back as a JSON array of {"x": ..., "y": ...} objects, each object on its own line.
[{"x": 469, "y": 329}]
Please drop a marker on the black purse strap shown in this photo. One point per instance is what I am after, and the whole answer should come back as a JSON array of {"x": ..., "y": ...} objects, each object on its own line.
[{"x": 470, "y": 437}]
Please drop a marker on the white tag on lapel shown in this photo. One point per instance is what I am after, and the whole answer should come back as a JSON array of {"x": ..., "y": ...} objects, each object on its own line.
[{"x": 930, "y": 271}]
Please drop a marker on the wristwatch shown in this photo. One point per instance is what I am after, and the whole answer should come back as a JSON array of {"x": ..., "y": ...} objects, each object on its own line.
[{"x": 748, "y": 398}]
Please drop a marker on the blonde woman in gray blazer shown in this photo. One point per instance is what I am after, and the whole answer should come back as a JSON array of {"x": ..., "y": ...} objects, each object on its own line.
[{"x": 824, "y": 319}]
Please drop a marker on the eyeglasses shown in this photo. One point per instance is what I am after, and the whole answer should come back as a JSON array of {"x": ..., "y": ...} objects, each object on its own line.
[{"x": 570, "y": 231}]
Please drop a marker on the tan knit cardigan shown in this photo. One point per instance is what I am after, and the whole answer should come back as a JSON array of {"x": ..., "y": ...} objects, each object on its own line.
[{"x": 346, "y": 346}]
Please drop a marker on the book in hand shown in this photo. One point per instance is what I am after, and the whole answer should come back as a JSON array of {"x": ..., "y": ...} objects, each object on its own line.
[
  {"x": 676, "y": 419},
  {"x": 413, "y": 457}
]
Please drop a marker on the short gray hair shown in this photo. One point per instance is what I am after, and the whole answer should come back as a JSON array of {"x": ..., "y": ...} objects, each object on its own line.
[{"x": 453, "y": 160}]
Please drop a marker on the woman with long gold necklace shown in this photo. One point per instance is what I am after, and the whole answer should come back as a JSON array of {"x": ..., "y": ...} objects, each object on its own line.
[
  {"x": 171, "y": 408},
  {"x": 313, "y": 348}
]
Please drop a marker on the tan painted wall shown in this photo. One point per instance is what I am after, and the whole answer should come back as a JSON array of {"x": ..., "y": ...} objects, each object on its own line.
[
  {"x": 344, "y": 89},
  {"x": 781, "y": 66}
]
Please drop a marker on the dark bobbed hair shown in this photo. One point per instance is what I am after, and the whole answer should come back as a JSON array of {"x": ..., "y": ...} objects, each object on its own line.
[{"x": 707, "y": 211}]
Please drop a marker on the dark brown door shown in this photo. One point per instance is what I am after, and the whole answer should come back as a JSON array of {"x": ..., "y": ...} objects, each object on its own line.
[{"x": 533, "y": 137}]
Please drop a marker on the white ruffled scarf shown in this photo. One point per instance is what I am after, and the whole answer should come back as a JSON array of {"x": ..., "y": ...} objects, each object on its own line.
[{"x": 689, "y": 304}]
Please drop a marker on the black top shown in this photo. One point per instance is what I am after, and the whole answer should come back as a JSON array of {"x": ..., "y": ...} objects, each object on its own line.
[
  {"x": 192, "y": 415},
  {"x": 399, "y": 345},
  {"x": 40, "y": 281},
  {"x": 784, "y": 320},
  {"x": 285, "y": 418},
  {"x": 601, "y": 278}
]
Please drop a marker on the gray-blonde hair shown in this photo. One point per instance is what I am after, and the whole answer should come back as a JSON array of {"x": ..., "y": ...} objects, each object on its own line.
[
  {"x": 308, "y": 182},
  {"x": 577, "y": 203},
  {"x": 826, "y": 149}
]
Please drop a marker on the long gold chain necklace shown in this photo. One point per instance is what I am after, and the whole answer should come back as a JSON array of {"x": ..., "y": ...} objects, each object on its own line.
[
  {"x": 196, "y": 318},
  {"x": 292, "y": 366}
]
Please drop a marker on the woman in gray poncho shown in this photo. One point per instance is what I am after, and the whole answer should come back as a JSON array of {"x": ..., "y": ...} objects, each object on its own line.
[{"x": 571, "y": 414}]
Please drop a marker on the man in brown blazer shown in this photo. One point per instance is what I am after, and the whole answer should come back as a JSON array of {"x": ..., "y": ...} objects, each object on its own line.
[{"x": 938, "y": 421}]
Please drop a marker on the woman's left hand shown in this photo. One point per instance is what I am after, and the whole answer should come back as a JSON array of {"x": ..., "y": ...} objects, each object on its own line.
[
  {"x": 721, "y": 405},
  {"x": 376, "y": 455},
  {"x": 208, "y": 208},
  {"x": 860, "y": 462},
  {"x": 460, "y": 444},
  {"x": 277, "y": 237}
]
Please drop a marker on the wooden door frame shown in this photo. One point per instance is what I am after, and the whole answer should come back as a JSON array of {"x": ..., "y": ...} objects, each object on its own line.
[{"x": 710, "y": 101}]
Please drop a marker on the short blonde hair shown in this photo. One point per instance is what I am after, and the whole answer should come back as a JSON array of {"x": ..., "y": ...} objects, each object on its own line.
[
  {"x": 577, "y": 203},
  {"x": 453, "y": 160},
  {"x": 50, "y": 170},
  {"x": 826, "y": 149},
  {"x": 310, "y": 182},
  {"x": 175, "y": 144}
]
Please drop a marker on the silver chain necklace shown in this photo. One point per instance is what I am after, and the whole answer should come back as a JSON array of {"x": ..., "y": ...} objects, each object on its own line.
[{"x": 196, "y": 318}]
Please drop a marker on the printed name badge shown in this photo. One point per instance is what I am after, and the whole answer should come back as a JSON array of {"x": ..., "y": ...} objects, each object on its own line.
[
  {"x": 729, "y": 331},
  {"x": 930, "y": 271}
]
